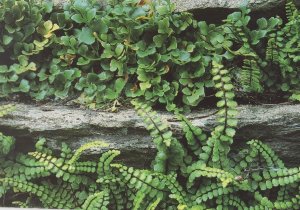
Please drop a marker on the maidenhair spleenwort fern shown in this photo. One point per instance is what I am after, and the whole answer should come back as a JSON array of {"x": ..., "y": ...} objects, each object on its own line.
[
  {"x": 269, "y": 55},
  {"x": 196, "y": 171}
]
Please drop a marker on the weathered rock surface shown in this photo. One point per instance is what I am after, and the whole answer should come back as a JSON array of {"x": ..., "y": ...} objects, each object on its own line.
[
  {"x": 185, "y": 5},
  {"x": 277, "y": 125}
]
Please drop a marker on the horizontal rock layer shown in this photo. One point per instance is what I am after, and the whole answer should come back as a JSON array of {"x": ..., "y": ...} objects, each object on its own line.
[
  {"x": 276, "y": 125},
  {"x": 186, "y": 5},
  {"x": 255, "y": 5}
]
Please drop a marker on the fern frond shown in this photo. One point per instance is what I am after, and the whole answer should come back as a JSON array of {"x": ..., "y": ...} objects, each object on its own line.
[
  {"x": 21, "y": 204},
  {"x": 50, "y": 197},
  {"x": 198, "y": 170},
  {"x": 244, "y": 159},
  {"x": 170, "y": 152},
  {"x": 272, "y": 51},
  {"x": 231, "y": 201},
  {"x": 154, "y": 204},
  {"x": 194, "y": 136},
  {"x": 139, "y": 198},
  {"x": 291, "y": 10},
  {"x": 60, "y": 168},
  {"x": 66, "y": 151},
  {"x": 25, "y": 168},
  {"x": 97, "y": 201},
  {"x": 118, "y": 194},
  {"x": 211, "y": 191},
  {"x": 40, "y": 146},
  {"x": 277, "y": 177},
  {"x": 140, "y": 180},
  {"x": 272, "y": 160},
  {"x": 176, "y": 190},
  {"x": 105, "y": 161},
  {"x": 117, "y": 191},
  {"x": 250, "y": 76},
  {"x": 218, "y": 145},
  {"x": 84, "y": 147},
  {"x": 6, "y": 144},
  {"x": 293, "y": 203}
]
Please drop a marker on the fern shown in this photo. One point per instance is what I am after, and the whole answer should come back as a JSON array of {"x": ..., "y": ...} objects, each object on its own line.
[
  {"x": 291, "y": 11},
  {"x": 282, "y": 53},
  {"x": 51, "y": 197},
  {"x": 218, "y": 145},
  {"x": 97, "y": 201},
  {"x": 250, "y": 76},
  {"x": 196, "y": 171},
  {"x": 170, "y": 152},
  {"x": 198, "y": 184}
]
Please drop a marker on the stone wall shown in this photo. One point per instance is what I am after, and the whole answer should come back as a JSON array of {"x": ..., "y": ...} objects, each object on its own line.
[
  {"x": 255, "y": 5},
  {"x": 276, "y": 125},
  {"x": 186, "y": 5}
]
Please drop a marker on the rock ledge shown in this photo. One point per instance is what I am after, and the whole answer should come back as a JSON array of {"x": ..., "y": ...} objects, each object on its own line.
[{"x": 277, "y": 125}]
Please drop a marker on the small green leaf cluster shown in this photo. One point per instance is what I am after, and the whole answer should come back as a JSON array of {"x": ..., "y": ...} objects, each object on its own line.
[
  {"x": 140, "y": 49},
  {"x": 6, "y": 142}
]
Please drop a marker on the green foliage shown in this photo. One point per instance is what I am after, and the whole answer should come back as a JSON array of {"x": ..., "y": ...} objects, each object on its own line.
[
  {"x": 270, "y": 53},
  {"x": 140, "y": 49},
  {"x": 6, "y": 142},
  {"x": 250, "y": 76},
  {"x": 196, "y": 171},
  {"x": 147, "y": 50},
  {"x": 170, "y": 152}
]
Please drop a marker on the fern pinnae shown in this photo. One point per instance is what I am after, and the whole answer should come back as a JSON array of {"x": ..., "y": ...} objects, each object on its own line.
[
  {"x": 25, "y": 168},
  {"x": 251, "y": 76},
  {"x": 231, "y": 201},
  {"x": 61, "y": 169},
  {"x": 194, "y": 136},
  {"x": 45, "y": 194},
  {"x": 136, "y": 178},
  {"x": 105, "y": 161},
  {"x": 170, "y": 152},
  {"x": 99, "y": 200},
  {"x": 87, "y": 146},
  {"x": 291, "y": 10},
  {"x": 210, "y": 192},
  {"x": 222, "y": 136},
  {"x": 176, "y": 190},
  {"x": 153, "y": 205},
  {"x": 139, "y": 198}
]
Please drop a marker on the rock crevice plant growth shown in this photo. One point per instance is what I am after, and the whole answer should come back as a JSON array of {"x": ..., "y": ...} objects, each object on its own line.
[
  {"x": 140, "y": 49},
  {"x": 197, "y": 171}
]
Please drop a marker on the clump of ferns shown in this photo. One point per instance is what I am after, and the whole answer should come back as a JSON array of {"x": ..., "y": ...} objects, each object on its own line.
[
  {"x": 192, "y": 172},
  {"x": 269, "y": 54}
]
